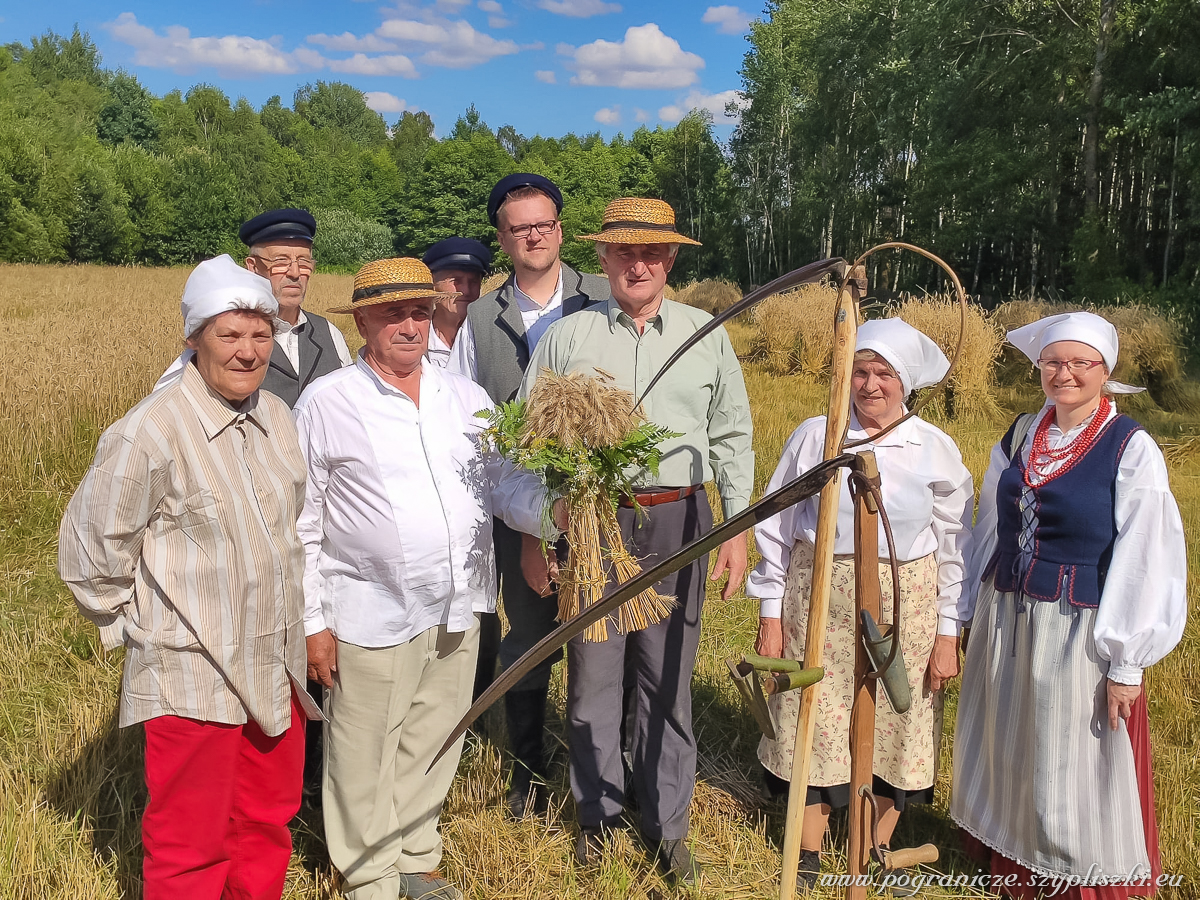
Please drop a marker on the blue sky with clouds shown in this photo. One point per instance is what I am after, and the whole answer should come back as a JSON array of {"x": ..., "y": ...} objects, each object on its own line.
[{"x": 543, "y": 66}]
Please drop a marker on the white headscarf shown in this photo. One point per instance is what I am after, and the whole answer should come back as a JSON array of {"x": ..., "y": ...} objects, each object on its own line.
[
  {"x": 917, "y": 360},
  {"x": 1084, "y": 327},
  {"x": 219, "y": 285}
]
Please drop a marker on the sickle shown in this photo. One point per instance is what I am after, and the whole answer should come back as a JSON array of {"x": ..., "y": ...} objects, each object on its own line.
[{"x": 799, "y": 488}]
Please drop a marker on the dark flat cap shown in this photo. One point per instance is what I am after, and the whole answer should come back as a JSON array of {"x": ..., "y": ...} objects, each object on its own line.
[
  {"x": 458, "y": 253},
  {"x": 521, "y": 179},
  {"x": 278, "y": 225}
]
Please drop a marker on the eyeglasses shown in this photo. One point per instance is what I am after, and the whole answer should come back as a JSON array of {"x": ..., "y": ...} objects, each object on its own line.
[
  {"x": 281, "y": 265},
  {"x": 522, "y": 231},
  {"x": 1074, "y": 366}
]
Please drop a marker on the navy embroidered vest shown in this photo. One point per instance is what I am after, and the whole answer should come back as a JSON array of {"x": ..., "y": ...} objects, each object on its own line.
[{"x": 1076, "y": 525}]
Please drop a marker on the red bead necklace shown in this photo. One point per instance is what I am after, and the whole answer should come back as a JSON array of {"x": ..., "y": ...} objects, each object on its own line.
[{"x": 1041, "y": 457}]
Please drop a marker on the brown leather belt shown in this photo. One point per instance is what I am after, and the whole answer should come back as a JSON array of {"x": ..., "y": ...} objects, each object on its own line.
[{"x": 655, "y": 498}]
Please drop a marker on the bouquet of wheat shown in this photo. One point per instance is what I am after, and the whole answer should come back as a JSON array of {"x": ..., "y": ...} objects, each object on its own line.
[{"x": 583, "y": 438}]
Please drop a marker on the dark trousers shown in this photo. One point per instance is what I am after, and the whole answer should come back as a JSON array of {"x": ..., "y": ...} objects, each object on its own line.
[
  {"x": 530, "y": 617},
  {"x": 654, "y": 667}
]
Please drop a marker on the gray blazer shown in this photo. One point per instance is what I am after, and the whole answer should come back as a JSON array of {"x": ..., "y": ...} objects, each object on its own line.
[{"x": 501, "y": 354}]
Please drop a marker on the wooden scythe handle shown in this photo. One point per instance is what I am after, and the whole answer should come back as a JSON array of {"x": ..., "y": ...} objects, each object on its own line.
[
  {"x": 910, "y": 856},
  {"x": 845, "y": 332},
  {"x": 862, "y": 712}
]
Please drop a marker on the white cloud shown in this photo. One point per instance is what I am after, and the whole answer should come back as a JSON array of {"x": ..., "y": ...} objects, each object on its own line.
[
  {"x": 728, "y": 19},
  {"x": 579, "y": 9},
  {"x": 410, "y": 30},
  {"x": 545, "y": 76},
  {"x": 361, "y": 64},
  {"x": 714, "y": 103},
  {"x": 646, "y": 58},
  {"x": 490, "y": 6},
  {"x": 452, "y": 45},
  {"x": 608, "y": 116},
  {"x": 348, "y": 42},
  {"x": 640, "y": 115},
  {"x": 383, "y": 102},
  {"x": 498, "y": 22},
  {"x": 231, "y": 55}
]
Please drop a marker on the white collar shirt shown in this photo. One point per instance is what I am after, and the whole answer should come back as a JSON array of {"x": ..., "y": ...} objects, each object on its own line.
[
  {"x": 396, "y": 522},
  {"x": 927, "y": 492},
  {"x": 438, "y": 352},
  {"x": 535, "y": 317}
]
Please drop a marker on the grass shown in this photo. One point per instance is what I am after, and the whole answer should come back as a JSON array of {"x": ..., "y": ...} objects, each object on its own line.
[{"x": 80, "y": 345}]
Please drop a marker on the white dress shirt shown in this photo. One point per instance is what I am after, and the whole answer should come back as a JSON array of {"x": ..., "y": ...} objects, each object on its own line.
[
  {"x": 927, "y": 492},
  {"x": 536, "y": 317},
  {"x": 438, "y": 352},
  {"x": 286, "y": 336},
  {"x": 1143, "y": 606},
  {"x": 396, "y": 523}
]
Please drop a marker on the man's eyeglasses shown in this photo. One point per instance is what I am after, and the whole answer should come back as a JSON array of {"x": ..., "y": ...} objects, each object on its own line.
[
  {"x": 1074, "y": 366},
  {"x": 520, "y": 232},
  {"x": 281, "y": 265}
]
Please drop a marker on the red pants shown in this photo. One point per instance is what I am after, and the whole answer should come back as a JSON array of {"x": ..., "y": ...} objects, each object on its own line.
[{"x": 221, "y": 798}]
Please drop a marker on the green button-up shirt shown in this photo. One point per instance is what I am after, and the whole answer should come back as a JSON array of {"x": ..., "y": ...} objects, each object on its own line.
[{"x": 703, "y": 396}]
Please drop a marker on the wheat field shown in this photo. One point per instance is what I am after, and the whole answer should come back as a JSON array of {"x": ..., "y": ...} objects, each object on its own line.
[{"x": 80, "y": 345}]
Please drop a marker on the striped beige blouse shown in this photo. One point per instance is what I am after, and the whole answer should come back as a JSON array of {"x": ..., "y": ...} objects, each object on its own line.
[{"x": 180, "y": 544}]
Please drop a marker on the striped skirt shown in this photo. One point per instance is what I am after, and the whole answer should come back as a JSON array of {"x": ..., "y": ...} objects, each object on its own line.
[
  {"x": 1039, "y": 777},
  {"x": 905, "y": 749}
]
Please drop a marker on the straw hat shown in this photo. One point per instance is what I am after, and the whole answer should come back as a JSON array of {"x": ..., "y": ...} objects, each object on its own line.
[
  {"x": 391, "y": 280},
  {"x": 632, "y": 220}
]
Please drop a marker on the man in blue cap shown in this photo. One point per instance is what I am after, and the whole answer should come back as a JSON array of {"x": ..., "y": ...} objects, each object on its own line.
[
  {"x": 501, "y": 331},
  {"x": 459, "y": 265},
  {"x": 307, "y": 346}
]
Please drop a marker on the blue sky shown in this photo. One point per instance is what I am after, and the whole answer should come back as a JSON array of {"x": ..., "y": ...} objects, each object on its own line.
[{"x": 543, "y": 66}]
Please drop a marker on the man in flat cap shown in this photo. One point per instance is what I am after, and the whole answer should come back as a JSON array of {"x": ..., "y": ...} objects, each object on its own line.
[
  {"x": 307, "y": 345},
  {"x": 459, "y": 266},
  {"x": 703, "y": 399},
  {"x": 397, "y": 533},
  {"x": 180, "y": 544},
  {"x": 500, "y": 334}
]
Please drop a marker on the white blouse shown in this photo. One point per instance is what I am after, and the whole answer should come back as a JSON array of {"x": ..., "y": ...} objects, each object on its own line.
[
  {"x": 927, "y": 492},
  {"x": 1143, "y": 607}
]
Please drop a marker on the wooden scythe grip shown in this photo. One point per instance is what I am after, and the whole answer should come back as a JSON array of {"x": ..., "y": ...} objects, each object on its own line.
[
  {"x": 910, "y": 856},
  {"x": 841, "y": 367},
  {"x": 862, "y": 713}
]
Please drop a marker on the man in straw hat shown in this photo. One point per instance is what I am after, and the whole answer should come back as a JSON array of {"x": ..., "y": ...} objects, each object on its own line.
[
  {"x": 307, "y": 346},
  {"x": 397, "y": 532},
  {"x": 703, "y": 398},
  {"x": 181, "y": 545},
  {"x": 494, "y": 346}
]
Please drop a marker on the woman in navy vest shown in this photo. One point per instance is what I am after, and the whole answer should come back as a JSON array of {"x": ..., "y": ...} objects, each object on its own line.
[{"x": 1080, "y": 567}]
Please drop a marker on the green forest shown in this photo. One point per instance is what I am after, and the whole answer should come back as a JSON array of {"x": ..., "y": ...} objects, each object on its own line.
[{"x": 1046, "y": 148}]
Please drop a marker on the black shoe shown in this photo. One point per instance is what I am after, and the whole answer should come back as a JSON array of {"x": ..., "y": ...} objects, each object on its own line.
[
  {"x": 809, "y": 871},
  {"x": 527, "y": 796},
  {"x": 676, "y": 862},
  {"x": 589, "y": 846}
]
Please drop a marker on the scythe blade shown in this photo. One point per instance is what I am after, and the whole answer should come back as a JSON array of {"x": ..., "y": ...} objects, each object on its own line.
[{"x": 800, "y": 488}]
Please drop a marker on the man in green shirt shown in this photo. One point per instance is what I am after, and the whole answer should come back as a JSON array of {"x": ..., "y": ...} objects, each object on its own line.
[{"x": 703, "y": 398}]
